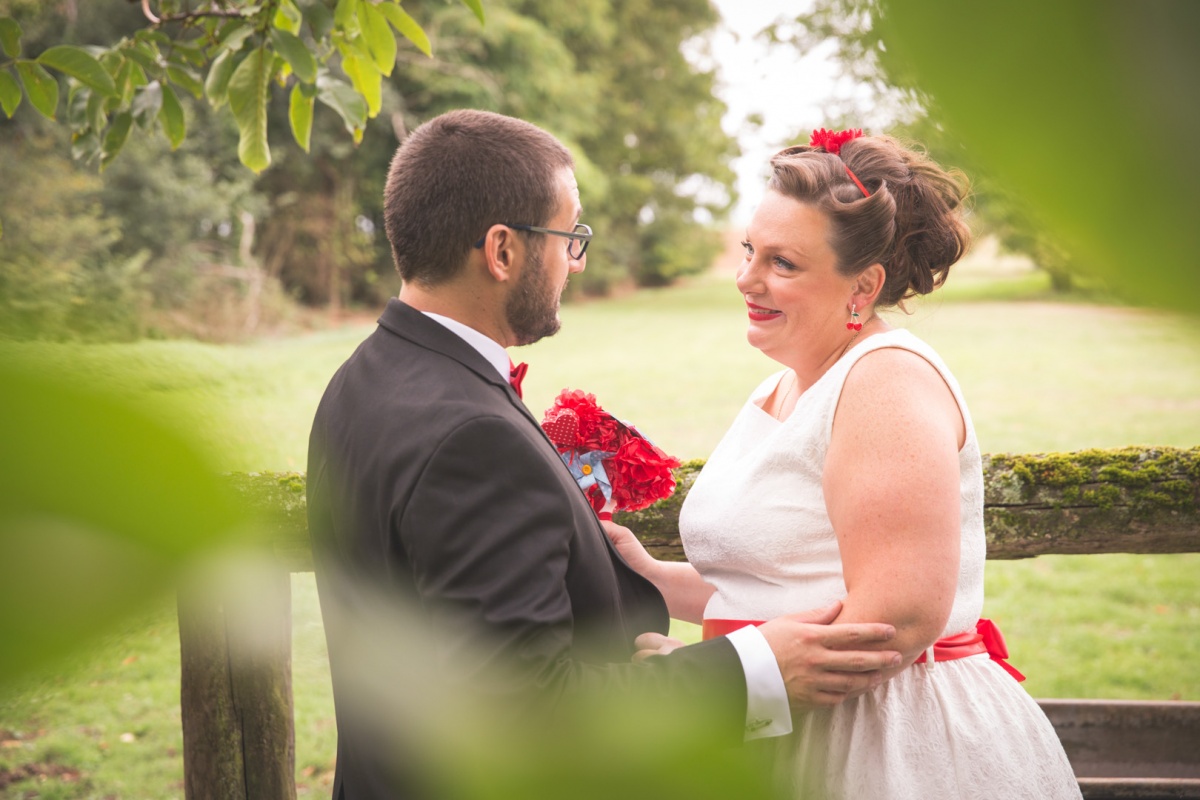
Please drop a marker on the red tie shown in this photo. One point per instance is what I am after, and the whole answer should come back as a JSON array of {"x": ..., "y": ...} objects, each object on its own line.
[{"x": 516, "y": 374}]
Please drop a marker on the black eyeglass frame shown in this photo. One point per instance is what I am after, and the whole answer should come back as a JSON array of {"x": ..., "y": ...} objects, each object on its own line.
[{"x": 584, "y": 237}]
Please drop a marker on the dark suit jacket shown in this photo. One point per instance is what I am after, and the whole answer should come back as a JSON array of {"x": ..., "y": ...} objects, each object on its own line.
[{"x": 430, "y": 482}]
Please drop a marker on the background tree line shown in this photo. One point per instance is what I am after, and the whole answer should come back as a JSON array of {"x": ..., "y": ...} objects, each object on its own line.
[{"x": 190, "y": 242}]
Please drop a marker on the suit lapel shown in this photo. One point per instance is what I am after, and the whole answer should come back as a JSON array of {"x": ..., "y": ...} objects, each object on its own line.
[{"x": 409, "y": 323}]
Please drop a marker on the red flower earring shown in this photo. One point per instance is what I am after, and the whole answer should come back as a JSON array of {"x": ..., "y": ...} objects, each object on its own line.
[{"x": 853, "y": 324}]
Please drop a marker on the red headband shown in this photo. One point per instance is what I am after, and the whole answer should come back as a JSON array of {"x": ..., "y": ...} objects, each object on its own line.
[{"x": 831, "y": 142}]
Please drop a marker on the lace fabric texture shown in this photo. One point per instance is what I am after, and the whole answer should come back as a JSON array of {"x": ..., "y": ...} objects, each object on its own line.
[{"x": 754, "y": 524}]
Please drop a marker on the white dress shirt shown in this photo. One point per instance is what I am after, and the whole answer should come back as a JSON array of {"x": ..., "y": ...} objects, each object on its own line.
[{"x": 767, "y": 710}]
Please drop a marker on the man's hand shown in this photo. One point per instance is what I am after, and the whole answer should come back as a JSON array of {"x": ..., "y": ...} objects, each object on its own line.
[
  {"x": 654, "y": 644},
  {"x": 823, "y": 664}
]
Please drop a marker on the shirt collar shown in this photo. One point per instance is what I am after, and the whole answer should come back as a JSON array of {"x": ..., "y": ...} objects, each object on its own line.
[{"x": 490, "y": 349}]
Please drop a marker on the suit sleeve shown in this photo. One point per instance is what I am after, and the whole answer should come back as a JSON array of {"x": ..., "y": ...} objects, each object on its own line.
[{"x": 488, "y": 536}]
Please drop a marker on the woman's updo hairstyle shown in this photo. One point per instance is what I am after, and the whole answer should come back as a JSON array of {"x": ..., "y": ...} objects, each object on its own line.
[{"x": 911, "y": 222}]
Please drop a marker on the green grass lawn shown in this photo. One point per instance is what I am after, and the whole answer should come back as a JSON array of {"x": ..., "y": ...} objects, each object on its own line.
[{"x": 1038, "y": 375}]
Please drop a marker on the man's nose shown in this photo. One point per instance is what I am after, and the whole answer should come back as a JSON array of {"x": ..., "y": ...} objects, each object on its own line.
[{"x": 575, "y": 265}]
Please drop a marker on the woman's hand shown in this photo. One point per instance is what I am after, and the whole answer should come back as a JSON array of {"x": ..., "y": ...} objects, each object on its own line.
[
  {"x": 631, "y": 550},
  {"x": 681, "y": 586},
  {"x": 654, "y": 644}
]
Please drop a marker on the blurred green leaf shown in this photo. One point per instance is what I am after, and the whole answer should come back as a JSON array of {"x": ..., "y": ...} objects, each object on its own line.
[
  {"x": 296, "y": 53},
  {"x": 1082, "y": 108},
  {"x": 86, "y": 146},
  {"x": 381, "y": 42},
  {"x": 115, "y": 138},
  {"x": 143, "y": 53},
  {"x": 319, "y": 18},
  {"x": 147, "y": 102},
  {"x": 186, "y": 52},
  {"x": 80, "y": 65},
  {"x": 407, "y": 26},
  {"x": 288, "y": 18},
  {"x": 186, "y": 79},
  {"x": 130, "y": 76},
  {"x": 173, "y": 121},
  {"x": 234, "y": 34},
  {"x": 216, "y": 86},
  {"x": 100, "y": 507},
  {"x": 345, "y": 16},
  {"x": 97, "y": 119},
  {"x": 10, "y": 93},
  {"x": 349, "y": 104},
  {"x": 365, "y": 78},
  {"x": 40, "y": 86},
  {"x": 249, "y": 91},
  {"x": 10, "y": 37},
  {"x": 300, "y": 115},
  {"x": 77, "y": 106},
  {"x": 476, "y": 6}
]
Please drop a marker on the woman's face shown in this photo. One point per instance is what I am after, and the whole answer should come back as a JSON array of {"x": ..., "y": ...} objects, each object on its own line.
[{"x": 797, "y": 302}]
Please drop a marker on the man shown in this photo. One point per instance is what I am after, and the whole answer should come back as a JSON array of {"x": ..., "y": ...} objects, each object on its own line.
[{"x": 430, "y": 481}]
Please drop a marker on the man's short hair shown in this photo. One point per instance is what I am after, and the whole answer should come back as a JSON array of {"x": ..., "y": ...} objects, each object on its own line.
[{"x": 456, "y": 176}]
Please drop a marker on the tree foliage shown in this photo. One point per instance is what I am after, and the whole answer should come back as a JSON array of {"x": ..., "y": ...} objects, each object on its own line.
[
  {"x": 225, "y": 51},
  {"x": 609, "y": 77}
]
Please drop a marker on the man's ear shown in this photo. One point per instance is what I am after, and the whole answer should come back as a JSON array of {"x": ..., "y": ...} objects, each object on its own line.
[
  {"x": 868, "y": 285},
  {"x": 501, "y": 252}
]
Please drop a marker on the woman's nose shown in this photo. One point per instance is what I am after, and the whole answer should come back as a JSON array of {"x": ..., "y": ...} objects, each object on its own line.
[{"x": 747, "y": 275}]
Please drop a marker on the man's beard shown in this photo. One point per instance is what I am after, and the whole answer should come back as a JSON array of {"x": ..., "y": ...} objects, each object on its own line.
[{"x": 532, "y": 309}]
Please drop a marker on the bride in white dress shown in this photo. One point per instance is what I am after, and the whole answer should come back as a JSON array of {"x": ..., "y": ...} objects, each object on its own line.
[{"x": 854, "y": 475}]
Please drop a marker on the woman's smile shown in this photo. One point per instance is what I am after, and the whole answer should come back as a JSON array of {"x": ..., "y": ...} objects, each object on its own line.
[{"x": 761, "y": 313}]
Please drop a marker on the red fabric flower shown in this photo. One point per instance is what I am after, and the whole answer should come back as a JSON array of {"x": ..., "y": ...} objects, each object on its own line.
[
  {"x": 639, "y": 472},
  {"x": 596, "y": 429},
  {"x": 832, "y": 141}
]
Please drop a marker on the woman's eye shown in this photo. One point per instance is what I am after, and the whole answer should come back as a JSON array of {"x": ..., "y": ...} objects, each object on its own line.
[
  {"x": 783, "y": 263},
  {"x": 749, "y": 248}
]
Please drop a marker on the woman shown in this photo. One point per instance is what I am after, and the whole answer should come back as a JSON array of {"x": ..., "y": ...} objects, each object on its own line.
[{"x": 854, "y": 475}]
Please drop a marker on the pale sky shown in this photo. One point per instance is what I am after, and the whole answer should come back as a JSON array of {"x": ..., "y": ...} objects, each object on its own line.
[{"x": 785, "y": 88}]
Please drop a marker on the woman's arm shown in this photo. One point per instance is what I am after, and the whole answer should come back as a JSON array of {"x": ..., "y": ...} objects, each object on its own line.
[
  {"x": 891, "y": 486},
  {"x": 682, "y": 587}
]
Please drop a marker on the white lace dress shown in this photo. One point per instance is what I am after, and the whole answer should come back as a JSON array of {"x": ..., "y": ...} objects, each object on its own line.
[{"x": 754, "y": 524}]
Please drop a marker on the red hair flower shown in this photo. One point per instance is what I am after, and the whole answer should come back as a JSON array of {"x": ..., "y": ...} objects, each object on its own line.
[
  {"x": 608, "y": 458},
  {"x": 832, "y": 141}
]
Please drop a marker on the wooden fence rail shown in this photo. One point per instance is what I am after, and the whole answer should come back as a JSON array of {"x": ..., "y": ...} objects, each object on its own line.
[{"x": 237, "y": 706}]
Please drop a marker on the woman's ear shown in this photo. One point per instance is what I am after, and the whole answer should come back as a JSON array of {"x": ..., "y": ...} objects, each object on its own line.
[{"x": 868, "y": 285}]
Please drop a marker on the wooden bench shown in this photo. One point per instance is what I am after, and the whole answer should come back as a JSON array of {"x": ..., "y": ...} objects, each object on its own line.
[{"x": 238, "y": 725}]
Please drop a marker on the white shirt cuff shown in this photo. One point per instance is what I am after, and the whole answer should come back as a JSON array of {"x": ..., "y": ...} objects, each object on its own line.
[{"x": 767, "y": 711}]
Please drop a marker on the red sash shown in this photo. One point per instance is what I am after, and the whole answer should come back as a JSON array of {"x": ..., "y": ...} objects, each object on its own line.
[{"x": 986, "y": 639}]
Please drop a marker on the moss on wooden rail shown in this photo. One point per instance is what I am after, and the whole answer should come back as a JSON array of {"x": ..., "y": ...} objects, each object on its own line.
[{"x": 1127, "y": 500}]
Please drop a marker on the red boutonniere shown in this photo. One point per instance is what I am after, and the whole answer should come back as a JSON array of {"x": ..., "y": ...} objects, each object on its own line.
[{"x": 614, "y": 464}]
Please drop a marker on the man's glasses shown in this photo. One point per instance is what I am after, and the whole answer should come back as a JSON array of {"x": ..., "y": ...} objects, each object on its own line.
[{"x": 576, "y": 247}]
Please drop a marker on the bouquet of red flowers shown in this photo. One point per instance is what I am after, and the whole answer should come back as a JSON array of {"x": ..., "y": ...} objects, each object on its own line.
[{"x": 611, "y": 461}]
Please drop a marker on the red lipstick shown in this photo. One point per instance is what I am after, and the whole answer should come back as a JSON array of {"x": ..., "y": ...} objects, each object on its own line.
[{"x": 761, "y": 313}]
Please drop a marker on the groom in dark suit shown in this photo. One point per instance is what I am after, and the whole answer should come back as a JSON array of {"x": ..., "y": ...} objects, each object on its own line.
[{"x": 433, "y": 488}]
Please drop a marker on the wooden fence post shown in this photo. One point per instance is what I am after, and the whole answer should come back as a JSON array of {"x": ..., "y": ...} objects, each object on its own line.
[{"x": 236, "y": 694}]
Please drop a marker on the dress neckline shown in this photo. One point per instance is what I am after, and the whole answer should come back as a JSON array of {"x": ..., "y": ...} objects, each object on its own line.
[{"x": 759, "y": 400}]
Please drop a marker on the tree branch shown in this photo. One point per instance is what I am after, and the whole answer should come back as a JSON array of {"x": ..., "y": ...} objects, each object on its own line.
[{"x": 149, "y": 14}]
